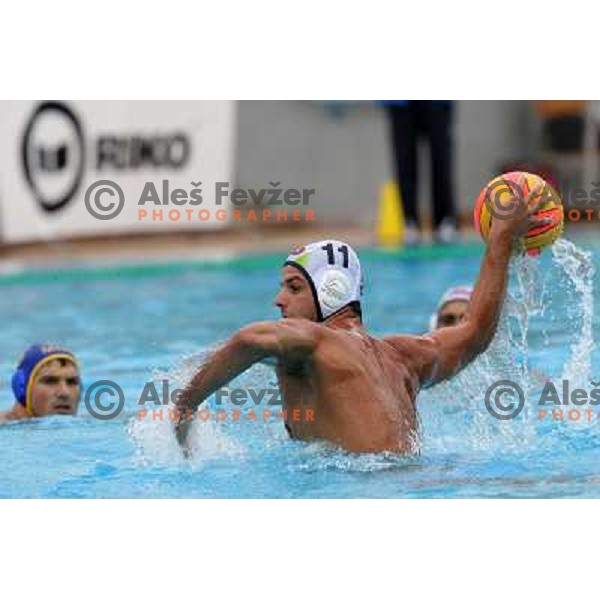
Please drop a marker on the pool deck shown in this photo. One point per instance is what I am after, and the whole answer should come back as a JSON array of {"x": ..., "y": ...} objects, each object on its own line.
[{"x": 204, "y": 246}]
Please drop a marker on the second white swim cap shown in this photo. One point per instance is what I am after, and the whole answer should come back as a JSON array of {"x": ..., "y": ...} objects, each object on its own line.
[{"x": 461, "y": 293}]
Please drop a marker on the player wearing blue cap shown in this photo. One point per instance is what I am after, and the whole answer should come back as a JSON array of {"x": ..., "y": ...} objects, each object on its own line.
[
  {"x": 46, "y": 382},
  {"x": 361, "y": 390}
]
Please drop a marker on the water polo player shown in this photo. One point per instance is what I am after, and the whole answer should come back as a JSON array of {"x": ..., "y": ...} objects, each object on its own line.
[
  {"x": 46, "y": 382},
  {"x": 452, "y": 307},
  {"x": 362, "y": 390}
]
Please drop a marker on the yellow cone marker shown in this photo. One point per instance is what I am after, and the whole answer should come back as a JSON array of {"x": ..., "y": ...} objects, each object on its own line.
[{"x": 390, "y": 220}]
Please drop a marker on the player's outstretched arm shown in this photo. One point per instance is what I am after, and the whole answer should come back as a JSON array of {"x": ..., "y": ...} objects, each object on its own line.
[{"x": 289, "y": 339}]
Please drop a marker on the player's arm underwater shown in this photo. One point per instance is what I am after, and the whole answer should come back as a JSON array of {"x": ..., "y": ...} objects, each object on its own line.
[
  {"x": 292, "y": 340},
  {"x": 441, "y": 354}
]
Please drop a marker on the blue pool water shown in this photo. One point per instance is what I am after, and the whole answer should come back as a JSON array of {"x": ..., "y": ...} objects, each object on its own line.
[{"x": 131, "y": 326}]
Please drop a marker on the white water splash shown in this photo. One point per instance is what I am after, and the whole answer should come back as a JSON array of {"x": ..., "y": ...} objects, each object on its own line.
[
  {"x": 578, "y": 267},
  {"x": 156, "y": 443},
  {"x": 155, "y": 439},
  {"x": 508, "y": 357}
]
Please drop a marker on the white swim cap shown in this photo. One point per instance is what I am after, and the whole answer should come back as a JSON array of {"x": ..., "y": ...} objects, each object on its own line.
[
  {"x": 455, "y": 294},
  {"x": 333, "y": 271}
]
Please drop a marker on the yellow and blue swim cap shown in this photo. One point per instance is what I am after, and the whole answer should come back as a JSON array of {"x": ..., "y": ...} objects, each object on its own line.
[
  {"x": 33, "y": 360},
  {"x": 333, "y": 271}
]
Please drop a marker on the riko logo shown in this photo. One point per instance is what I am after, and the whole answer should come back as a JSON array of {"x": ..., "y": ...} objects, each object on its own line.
[{"x": 53, "y": 155}]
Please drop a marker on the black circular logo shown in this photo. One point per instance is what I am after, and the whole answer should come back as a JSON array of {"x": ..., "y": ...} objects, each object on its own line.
[{"x": 53, "y": 155}]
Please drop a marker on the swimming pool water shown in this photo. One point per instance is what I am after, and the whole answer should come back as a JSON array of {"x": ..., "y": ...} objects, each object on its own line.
[{"x": 131, "y": 327}]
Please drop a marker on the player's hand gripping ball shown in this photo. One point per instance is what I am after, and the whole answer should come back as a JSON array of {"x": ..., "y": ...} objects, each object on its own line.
[{"x": 505, "y": 196}]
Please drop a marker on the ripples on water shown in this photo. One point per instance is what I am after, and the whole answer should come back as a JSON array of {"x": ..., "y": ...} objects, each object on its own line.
[
  {"x": 462, "y": 447},
  {"x": 546, "y": 331}
]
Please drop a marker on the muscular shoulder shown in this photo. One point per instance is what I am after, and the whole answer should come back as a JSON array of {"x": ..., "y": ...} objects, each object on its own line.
[
  {"x": 299, "y": 333},
  {"x": 283, "y": 337},
  {"x": 416, "y": 352},
  {"x": 409, "y": 344},
  {"x": 437, "y": 355}
]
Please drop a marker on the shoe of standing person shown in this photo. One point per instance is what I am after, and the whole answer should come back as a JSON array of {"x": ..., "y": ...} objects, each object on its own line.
[
  {"x": 412, "y": 235},
  {"x": 446, "y": 233}
]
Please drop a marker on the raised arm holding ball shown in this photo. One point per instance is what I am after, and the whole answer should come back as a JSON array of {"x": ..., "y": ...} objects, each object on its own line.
[
  {"x": 446, "y": 351},
  {"x": 361, "y": 391}
]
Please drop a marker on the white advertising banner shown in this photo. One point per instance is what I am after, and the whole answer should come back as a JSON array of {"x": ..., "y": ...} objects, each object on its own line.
[{"x": 95, "y": 168}]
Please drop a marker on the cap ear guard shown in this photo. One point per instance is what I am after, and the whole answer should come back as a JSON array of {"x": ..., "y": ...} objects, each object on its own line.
[
  {"x": 334, "y": 289},
  {"x": 18, "y": 386},
  {"x": 433, "y": 322}
]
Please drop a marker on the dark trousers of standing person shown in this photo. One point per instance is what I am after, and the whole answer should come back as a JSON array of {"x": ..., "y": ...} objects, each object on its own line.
[{"x": 431, "y": 120}]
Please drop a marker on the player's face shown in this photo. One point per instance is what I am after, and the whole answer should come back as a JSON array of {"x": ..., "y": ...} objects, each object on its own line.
[
  {"x": 56, "y": 389},
  {"x": 295, "y": 299},
  {"x": 452, "y": 313}
]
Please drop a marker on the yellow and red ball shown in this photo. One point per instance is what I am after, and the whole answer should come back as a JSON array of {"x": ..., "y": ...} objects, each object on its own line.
[{"x": 504, "y": 196}]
